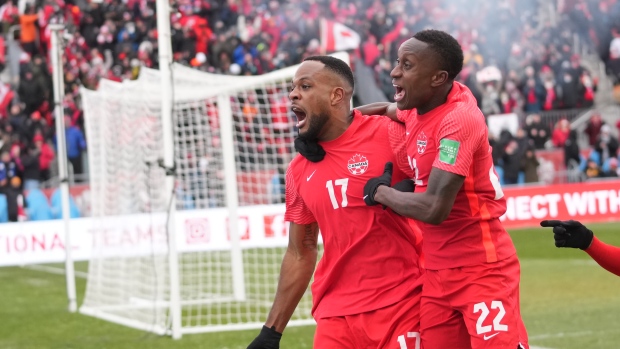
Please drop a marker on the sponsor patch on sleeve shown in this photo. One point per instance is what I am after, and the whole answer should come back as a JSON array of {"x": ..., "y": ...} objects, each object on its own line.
[{"x": 448, "y": 150}]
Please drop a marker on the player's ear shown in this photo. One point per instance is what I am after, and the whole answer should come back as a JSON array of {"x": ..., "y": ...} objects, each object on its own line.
[
  {"x": 440, "y": 78},
  {"x": 338, "y": 95}
]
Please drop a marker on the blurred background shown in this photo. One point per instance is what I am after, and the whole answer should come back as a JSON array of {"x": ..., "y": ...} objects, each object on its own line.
[{"x": 549, "y": 69}]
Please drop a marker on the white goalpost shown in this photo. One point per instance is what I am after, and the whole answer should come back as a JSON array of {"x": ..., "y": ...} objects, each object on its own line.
[{"x": 233, "y": 139}]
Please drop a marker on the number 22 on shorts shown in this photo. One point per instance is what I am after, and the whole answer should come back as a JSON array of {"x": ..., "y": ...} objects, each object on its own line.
[
  {"x": 411, "y": 337},
  {"x": 497, "y": 326}
]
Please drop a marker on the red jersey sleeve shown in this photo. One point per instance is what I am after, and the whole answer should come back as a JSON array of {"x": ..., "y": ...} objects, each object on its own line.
[
  {"x": 402, "y": 115},
  {"x": 606, "y": 256},
  {"x": 398, "y": 141},
  {"x": 459, "y": 136},
  {"x": 296, "y": 209}
]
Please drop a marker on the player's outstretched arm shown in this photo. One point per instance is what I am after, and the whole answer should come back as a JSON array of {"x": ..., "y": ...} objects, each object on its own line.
[
  {"x": 295, "y": 274},
  {"x": 605, "y": 255},
  {"x": 576, "y": 235},
  {"x": 432, "y": 206},
  {"x": 380, "y": 108}
]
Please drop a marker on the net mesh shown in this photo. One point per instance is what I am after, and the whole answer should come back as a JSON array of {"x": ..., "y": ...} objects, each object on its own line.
[
  {"x": 123, "y": 123},
  {"x": 124, "y": 135}
]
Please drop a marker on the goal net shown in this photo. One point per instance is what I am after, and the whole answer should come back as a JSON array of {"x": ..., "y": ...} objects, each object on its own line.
[{"x": 244, "y": 122}]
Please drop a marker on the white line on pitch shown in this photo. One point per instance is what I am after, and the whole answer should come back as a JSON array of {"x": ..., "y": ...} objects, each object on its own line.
[
  {"x": 560, "y": 335},
  {"x": 54, "y": 270}
]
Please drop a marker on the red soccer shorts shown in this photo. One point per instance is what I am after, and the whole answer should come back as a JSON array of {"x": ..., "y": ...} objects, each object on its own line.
[
  {"x": 396, "y": 326},
  {"x": 473, "y": 307}
]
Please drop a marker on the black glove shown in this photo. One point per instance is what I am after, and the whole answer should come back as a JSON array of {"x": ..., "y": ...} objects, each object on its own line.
[
  {"x": 268, "y": 338},
  {"x": 370, "y": 189},
  {"x": 570, "y": 234},
  {"x": 406, "y": 186},
  {"x": 311, "y": 150}
]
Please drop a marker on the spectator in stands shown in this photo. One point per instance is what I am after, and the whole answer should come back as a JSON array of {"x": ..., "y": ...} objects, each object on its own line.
[
  {"x": 9, "y": 15},
  {"x": 15, "y": 162},
  {"x": 568, "y": 89},
  {"x": 8, "y": 165},
  {"x": 551, "y": 96},
  {"x": 613, "y": 60},
  {"x": 34, "y": 125},
  {"x": 384, "y": 79},
  {"x": 30, "y": 92},
  {"x": 46, "y": 156},
  {"x": 76, "y": 144},
  {"x": 529, "y": 166},
  {"x": 593, "y": 170},
  {"x": 537, "y": 131},
  {"x": 42, "y": 75},
  {"x": 612, "y": 170},
  {"x": 523, "y": 141},
  {"x": 572, "y": 156},
  {"x": 606, "y": 145},
  {"x": 560, "y": 133},
  {"x": 5, "y": 139},
  {"x": 280, "y": 115},
  {"x": 28, "y": 29},
  {"x": 14, "y": 198},
  {"x": 593, "y": 129},
  {"x": 572, "y": 159},
  {"x": 17, "y": 120},
  {"x": 589, "y": 86},
  {"x": 6, "y": 97},
  {"x": 4, "y": 175},
  {"x": 511, "y": 99},
  {"x": 491, "y": 103},
  {"x": 512, "y": 162},
  {"x": 112, "y": 39},
  {"x": 32, "y": 168},
  {"x": 534, "y": 95}
]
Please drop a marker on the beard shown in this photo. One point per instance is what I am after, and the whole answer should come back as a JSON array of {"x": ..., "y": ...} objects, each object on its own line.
[{"x": 317, "y": 122}]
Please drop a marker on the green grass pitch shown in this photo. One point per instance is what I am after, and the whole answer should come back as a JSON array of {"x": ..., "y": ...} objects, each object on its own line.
[{"x": 568, "y": 302}]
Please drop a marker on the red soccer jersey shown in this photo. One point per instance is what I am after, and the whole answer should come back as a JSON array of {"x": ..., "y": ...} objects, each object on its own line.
[
  {"x": 369, "y": 260},
  {"x": 454, "y": 137}
]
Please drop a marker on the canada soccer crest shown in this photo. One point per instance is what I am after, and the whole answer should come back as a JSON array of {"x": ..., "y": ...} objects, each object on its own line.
[
  {"x": 358, "y": 164},
  {"x": 422, "y": 141}
]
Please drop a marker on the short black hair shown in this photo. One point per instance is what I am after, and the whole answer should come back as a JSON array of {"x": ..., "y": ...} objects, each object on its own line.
[
  {"x": 335, "y": 65},
  {"x": 448, "y": 50}
]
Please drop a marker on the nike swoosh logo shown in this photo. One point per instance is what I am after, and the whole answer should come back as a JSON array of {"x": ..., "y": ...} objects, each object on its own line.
[
  {"x": 365, "y": 196},
  {"x": 486, "y": 338},
  {"x": 310, "y": 176}
]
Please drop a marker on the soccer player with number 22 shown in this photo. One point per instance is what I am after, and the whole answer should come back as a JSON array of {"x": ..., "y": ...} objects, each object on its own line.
[
  {"x": 470, "y": 297},
  {"x": 367, "y": 286}
]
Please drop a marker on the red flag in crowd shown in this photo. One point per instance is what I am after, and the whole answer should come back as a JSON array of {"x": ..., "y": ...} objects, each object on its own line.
[
  {"x": 6, "y": 96},
  {"x": 337, "y": 37}
]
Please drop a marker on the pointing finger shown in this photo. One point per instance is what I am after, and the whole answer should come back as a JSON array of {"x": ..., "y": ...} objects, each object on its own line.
[{"x": 550, "y": 223}]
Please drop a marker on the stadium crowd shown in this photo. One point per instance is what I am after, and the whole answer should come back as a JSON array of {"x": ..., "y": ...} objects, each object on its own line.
[{"x": 518, "y": 59}]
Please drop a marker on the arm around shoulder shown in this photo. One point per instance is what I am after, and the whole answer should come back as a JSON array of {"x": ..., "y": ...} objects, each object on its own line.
[
  {"x": 380, "y": 108},
  {"x": 432, "y": 206}
]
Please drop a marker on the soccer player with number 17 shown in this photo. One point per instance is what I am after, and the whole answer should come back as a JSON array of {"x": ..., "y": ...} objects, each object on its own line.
[
  {"x": 470, "y": 297},
  {"x": 367, "y": 285}
]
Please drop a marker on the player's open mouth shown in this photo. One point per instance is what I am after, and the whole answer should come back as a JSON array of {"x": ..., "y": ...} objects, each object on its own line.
[
  {"x": 400, "y": 93},
  {"x": 301, "y": 116}
]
